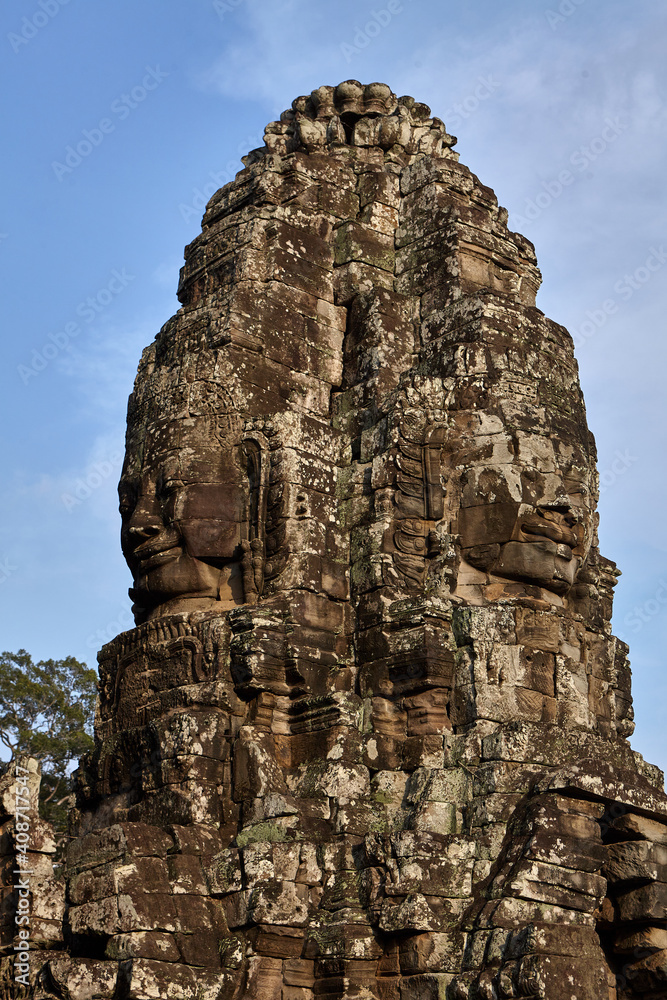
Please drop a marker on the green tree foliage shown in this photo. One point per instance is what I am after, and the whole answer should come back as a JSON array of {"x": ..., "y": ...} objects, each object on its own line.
[{"x": 47, "y": 711}]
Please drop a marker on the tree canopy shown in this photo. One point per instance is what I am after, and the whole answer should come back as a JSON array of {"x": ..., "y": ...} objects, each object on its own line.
[{"x": 47, "y": 711}]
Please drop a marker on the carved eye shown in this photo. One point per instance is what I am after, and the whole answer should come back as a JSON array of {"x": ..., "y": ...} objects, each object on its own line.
[
  {"x": 126, "y": 504},
  {"x": 169, "y": 486},
  {"x": 575, "y": 487}
]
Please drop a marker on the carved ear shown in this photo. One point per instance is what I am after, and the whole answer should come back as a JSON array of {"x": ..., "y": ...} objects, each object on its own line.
[
  {"x": 256, "y": 453},
  {"x": 435, "y": 439},
  {"x": 419, "y": 500}
]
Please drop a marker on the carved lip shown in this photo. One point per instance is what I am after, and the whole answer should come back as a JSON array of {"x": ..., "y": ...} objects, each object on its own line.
[
  {"x": 548, "y": 529},
  {"x": 150, "y": 557}
]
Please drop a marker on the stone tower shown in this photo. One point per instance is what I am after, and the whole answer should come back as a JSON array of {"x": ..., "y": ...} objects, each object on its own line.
[{"x": 369, "y": 736}]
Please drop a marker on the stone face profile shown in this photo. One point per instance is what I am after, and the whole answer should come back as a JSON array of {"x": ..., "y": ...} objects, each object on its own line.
[
  {"x": 369, "y": 737},
  {"x": 184, "y": 509}
]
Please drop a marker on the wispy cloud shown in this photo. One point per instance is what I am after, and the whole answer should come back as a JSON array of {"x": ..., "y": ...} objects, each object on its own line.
[{"x": 250, "y": 69}]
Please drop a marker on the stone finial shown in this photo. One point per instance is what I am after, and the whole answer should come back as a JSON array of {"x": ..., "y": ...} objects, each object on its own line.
[{"x": 354, "y": 114}]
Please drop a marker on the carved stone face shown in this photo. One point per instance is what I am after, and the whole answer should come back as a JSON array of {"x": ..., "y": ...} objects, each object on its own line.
[
  {"x": 521, "y": 524},
  {"x": 541, "y": 545},
  {"x": 184, "y": 516}
]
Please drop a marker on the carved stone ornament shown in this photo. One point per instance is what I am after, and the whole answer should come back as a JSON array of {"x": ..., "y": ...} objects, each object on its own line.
[{"x": 369, "y": 737}]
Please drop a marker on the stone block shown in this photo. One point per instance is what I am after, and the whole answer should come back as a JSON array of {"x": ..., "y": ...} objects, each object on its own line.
[
  {"x": 646, "y": 903},
  {"x": 84, "y": 978}
]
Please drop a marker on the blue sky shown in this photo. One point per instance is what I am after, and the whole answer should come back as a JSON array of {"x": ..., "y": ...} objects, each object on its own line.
[{"x": 559, "y": 105}]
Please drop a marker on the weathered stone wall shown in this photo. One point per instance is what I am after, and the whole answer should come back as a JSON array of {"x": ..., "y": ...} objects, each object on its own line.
[
  {"x": 369, "y": 736},
  {"x": 33, "y": 889}
]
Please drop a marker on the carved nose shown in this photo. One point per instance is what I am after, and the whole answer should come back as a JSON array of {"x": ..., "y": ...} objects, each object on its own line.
[
  {"x": 145, "y": 530},
  {"x": 560, "y": 513}
]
